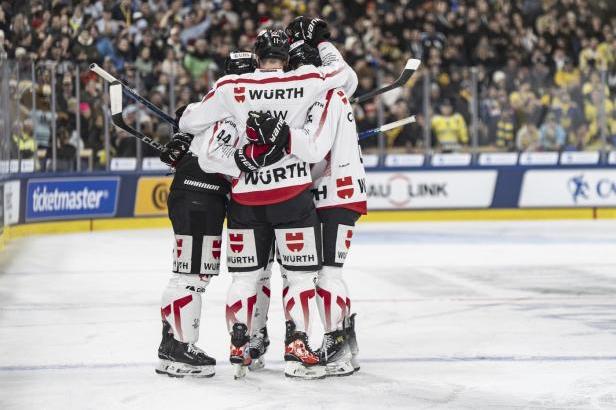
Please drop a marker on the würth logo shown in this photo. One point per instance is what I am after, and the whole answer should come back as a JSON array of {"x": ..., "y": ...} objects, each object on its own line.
[
  {"x": 295, "y": 241},
  {"x": 347, "y": 241},
  {"x": 236, "y": 242},
  {"x": 345, "y": 187},
  {"x": 178, "y": 246},
  {"x": 239, "y": 94},
  {"x": 216, "y": 245}
]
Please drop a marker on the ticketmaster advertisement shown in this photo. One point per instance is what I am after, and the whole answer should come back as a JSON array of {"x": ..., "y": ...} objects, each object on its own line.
[{"x": 72, "y": 198}]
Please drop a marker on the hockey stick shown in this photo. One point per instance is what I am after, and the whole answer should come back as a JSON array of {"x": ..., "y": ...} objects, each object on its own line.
[
  {"x": 409, "y": 69},
  {"x": 130, "y": 92},
  {"x": 386, "y": 127},
  {"x": 115, "y": 98}
]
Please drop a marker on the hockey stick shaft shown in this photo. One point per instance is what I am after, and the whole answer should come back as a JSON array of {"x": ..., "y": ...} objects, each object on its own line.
[
  {"x": 115, "y": 98},
  {"x": 412, "y": 65},
  {"x": 386, "y": 127},
  {"x": 130, "y": 92}
]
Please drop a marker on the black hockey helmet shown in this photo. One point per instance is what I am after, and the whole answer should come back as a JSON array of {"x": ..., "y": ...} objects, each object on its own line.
[
  {"x": 301, "y": 53},
  {"x": 272, "y": 44},
  {"x": 240, "y": 62}
]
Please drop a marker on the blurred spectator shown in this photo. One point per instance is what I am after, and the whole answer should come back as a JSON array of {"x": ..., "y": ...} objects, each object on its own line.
[
  {"x": 449, "y": 128},
  {"x": 527, "y": 138},
  {"x": 23, "y": 141},
  {"x": 552, "y": 136},
  {"x": 538, "y": 63}
]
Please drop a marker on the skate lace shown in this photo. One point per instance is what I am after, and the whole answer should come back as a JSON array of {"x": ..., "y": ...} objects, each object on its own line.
[
  {"x": 328, "y": 343},
  {"x": 192, "y": 349}
]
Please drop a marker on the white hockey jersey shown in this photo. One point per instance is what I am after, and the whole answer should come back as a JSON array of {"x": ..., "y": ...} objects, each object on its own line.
[
  {"x": 284, "y": 95},
  {"x": 329, "y": 139}
]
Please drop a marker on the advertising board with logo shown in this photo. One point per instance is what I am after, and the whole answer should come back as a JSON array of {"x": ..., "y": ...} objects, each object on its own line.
[
  {"x": 11, "y": 202},
  {"x": 568, "y": 188},
  {"x": 151, "y": 198},
  {"x": 71, "y": 198},
  {"x": 430, "y": 190}
]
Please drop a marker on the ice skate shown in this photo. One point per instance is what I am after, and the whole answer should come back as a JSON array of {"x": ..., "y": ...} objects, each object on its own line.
[
  {"x": 164, "y": 348},
  {"x": 259, "y": 343},
  {"x": 184, "y": 359},
  {"x": 335, "y": 354},
  {"x": 300, "y": 361},
  {"x": 240, "y": 349},
  {"x": 349, "y": 327}
]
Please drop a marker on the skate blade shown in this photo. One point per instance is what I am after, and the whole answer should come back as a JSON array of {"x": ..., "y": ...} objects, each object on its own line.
[
  {"x": 355, "y": 363},
  {"x": 239, "y": 371},
  {"x": 257, "y": 364},
  {"x": 339, "y": 369},
  {"x": 162, "y": 366},
  {"x": 299, "y": 371},
  {"x": 180, "y": 370}
]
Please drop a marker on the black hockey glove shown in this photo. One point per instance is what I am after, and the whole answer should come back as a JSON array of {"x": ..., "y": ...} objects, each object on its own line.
[
  {"x": 265, "y": 129},
  {"x": 312, "y": 31},
  {"x": 251, "y": 157},
  {"x": 176, "y": 148},
  {"x": 179, "y": 111}
]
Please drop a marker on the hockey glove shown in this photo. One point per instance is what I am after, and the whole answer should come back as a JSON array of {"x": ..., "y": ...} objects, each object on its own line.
[
  {"x": 179, "y": 112},
  {"x": 251, "y": 157},
  {"x": 265, "y": 129},
  {"x": 312, "y": 31},
  {"x": 176, "y": 148}
]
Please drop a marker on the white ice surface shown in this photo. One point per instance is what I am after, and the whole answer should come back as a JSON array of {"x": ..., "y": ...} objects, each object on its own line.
[{"x": 450, "y": 315}]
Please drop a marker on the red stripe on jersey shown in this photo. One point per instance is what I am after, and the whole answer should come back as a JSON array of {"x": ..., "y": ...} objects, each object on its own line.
[
  {"x": 270, "y": 80},
  {"x": 213, "y": 135},
  {"x": 208, "y": 95},
  {"x": 328, "y": 98},
  {"x": 271, "y": 196},
  {"x": 359, "y": 207}
]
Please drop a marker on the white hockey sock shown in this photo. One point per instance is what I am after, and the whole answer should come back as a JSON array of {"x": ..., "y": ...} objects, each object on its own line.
[
  {"x": 181, "y": 305},
  {"x": 259, "y": 319},
  {"x": 333, "y": 298},
  {"x": 296, "y": 298},
  {"x": 241, "y": 298}
]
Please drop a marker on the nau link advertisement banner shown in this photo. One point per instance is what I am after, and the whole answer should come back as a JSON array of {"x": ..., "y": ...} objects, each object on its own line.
[
  {"x": 430, "y": 190},
  {"x": 72, "y": 198},
  {"x": 568, "y": 188}
]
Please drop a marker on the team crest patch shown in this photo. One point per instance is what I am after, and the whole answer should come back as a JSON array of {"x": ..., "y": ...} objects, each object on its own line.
[
  {"x": 182, "y": 253},
  {"x": 210, "y": 255},
  {"x": 241, "y": 249},
  {"x": 297, "y": 246}
]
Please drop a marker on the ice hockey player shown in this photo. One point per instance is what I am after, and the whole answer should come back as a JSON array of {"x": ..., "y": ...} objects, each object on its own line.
[
  {"x": 328, "y": 139},
  {"x": 197, "y": 205},
  {"x": 275, "y": 201}
]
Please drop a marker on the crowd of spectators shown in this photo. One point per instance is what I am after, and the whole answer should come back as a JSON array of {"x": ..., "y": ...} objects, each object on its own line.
[{"x": 543, "y": 71}]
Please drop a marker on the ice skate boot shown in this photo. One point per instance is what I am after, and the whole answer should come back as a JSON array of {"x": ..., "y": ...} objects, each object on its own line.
[
  {"x": 164, "y": 348},
  {"x": 300, "y": 361},
  {"x": 335, "y": 354},
  {"x": 186, "y": 359},
  {"x": 240, "y": 349},
  {"x": 258, "y": 346},
  {"x": 349, "y": 327}
]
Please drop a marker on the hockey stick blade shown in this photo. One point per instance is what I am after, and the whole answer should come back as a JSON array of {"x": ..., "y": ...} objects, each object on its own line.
[
  {"x": 133, "y": 94},
  {"x": 396, "y": 124},
  {"x": 115, "y": 97},
  {"x": 412, "y": 65}
]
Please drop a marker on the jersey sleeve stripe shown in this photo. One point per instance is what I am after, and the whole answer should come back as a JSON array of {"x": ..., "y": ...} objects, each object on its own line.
[
  {"x": 328, "y": 98},
  {"x": 271, "y": 80}
]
